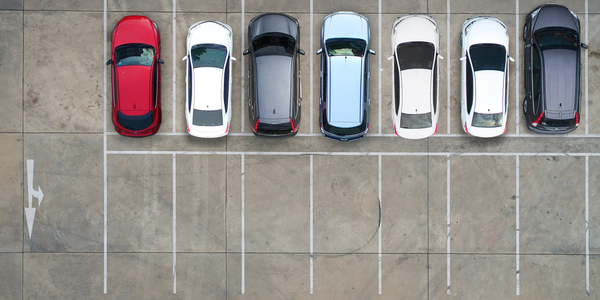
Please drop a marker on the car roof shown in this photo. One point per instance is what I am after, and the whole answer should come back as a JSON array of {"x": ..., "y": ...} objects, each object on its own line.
[
  {"x": 416, "y": 91},
  {"x": 274, "y": 90},
  {"x": 208, "y": 88},
  {"x": 134, "y": 89},
  {"x": 414, "y": 28},
  {"x": 346, "y": 84},
  {"x": 555, "y": 16},
  {"x": 273, "y": 23},
  {"x": 346, "y": 25},
  {"x": 209, "y": 32},
  {"x": 560, "y": 79},
  {"x": 489, "y": 92}
]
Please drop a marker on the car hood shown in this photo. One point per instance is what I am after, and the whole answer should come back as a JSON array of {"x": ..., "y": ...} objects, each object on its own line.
[
  {"x": 209, "y": 32},
  {"x": 208, "y": 90},
  {"x": 346, "y": 25},
  {"x": 273, "y": 23},
  {"x": 413, "y": 29},
  {"x": 416, "y": 91},
  {"x": 134, "y": 89},
  {"x": 486, "y": 31},
  {"x": 560, "y": 84},
  {"x": 555, "y": 16},
  {"x": 346, "y": 82},
  {"x": 274, "y": 86},
  {"x": 489, "y": 90},
  {"x": 134, "y": 30}
]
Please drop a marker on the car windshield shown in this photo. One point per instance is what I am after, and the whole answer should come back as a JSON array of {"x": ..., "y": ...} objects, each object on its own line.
[
  {"x": 207, "y": 117},
  {"x": 134, "y": 55},
  {"x": 415, "y": 55},
  {"x": 487, "y": 120},
  {"x": 208, "y": 55},
  {"x": 345, "y": 47},
  {"x": 415, "y": 121},
  {"x": 488, "y": 57},
  {"x": 274, "y": 44},
  {"x": 557, "y": 38}
]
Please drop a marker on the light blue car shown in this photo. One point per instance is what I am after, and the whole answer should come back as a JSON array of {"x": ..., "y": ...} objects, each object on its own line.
[{"x": 344, "y": 102}]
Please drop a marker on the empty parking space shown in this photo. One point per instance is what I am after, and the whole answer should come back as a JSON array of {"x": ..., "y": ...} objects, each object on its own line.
[
  {"x": 11, "y": 176},
  {"x": 553, "y": 276}
]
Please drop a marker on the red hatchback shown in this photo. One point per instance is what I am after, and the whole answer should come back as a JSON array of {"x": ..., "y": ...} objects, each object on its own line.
[{"x": 135, "y": 62}]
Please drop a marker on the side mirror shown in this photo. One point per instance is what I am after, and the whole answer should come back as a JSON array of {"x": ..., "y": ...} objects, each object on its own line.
[
  {"x": 161, "y": 61},
  {"x": 527, "y": 45},
  {"x": 440, "y": 56},
  {"x": 319, "y": 51},
  {"x": 390, "y": 57},
  {"x": 233, "y": 58},
  {"x": 301, "y": 51},
  {"x": 184, "y": 58},
  {"x": 463, "y": 58},
  {"x": 584, "y": 46},
  {"x": 110, "y": 61},
  {"x": 511, "y": 59},
  {"x": 371, "y": 51},
  {"x": 246, "y": 52}
]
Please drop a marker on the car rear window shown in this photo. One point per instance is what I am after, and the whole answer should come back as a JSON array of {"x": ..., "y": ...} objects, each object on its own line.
[
  {"x": 274, "y": 44},
  {"x": 487, "y": 120},
  {"x": 208, "y": 55},
  {"x": 557, "y": 123},
  {"x": 415, "y": 121},
  {"x": 207, "y": 117},
  {"x": 415, "y": 55},
  {"x": 135, "y": 123},
  {"x": 134, "y": 55},
  {"x": 345, "y": 47},
  {"x": 488, "y": 57}
]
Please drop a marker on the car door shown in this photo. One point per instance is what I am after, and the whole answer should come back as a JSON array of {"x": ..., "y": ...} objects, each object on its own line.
[{"x": 252, "y": 90}]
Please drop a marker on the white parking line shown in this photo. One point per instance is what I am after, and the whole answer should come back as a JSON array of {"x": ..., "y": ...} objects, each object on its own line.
[
  {"x": 517, "y": 225},
  {"x": 310, "y": 76},
  {"x": 243, "y": 66},
  {"x": 379, "y": 229},
  {"x": 448, "y": 65},
  {"x": 105, "y": 156},
  {"x": 587, "y": 225},
  {"x": 517, "y": 59},
  {"x": 243, "y": 229},
  {"x": 174, "y": 64},
  {"x": 379, "y": 69},
  {"x": 349, "y": 153},
  {"x": 174, "y": 223},
  {"x": 311, "y": 224},
  {"x": 448, "y": 224},
  {"x": 585, "y": 57}
]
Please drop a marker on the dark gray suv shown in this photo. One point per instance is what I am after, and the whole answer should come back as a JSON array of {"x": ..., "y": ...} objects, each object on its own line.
[
  {"x": 274, "y": 92},
  {"x": 552, "y": 69}
]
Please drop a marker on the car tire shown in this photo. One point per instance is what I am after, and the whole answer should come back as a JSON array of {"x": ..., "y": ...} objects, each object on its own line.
[{"x": 525, "y": 106}]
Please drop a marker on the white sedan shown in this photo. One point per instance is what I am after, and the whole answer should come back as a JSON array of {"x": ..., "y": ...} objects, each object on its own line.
[
  {"x": 415, "y": 105},
  {"x": 484, "y": 76},
  {"x": 208, "y": 79}
]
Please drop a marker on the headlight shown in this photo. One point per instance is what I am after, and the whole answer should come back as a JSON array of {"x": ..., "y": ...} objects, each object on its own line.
[{"x": 535, "y": 12}]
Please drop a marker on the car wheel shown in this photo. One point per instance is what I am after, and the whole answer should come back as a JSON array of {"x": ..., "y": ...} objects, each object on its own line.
[{"x": 525, "y": 107}]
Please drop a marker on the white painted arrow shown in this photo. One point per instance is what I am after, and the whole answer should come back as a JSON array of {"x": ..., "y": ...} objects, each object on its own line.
[{"x": 30, "y": 211}]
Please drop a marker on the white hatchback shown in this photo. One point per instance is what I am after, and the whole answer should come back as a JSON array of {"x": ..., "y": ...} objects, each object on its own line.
[
  {"x": 208, "y": 79},
  {"x": 484, "y": 76},
  {"x": 415, "y": 105}
]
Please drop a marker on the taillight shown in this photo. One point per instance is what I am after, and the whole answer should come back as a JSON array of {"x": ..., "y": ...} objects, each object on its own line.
[
  {"x": 396, "y": 131},
  {"x": 435, "y": 129},
  {"x": 256, "y": 125},
  {"x": 227, "y": 129},
  {"x": 188, "y": 127},
  {"x": 466, "y": 130},
  {"x": 294, "y": 128},
  {"x": 537, "y": 121},
  {"x": 576, "y": 119}
]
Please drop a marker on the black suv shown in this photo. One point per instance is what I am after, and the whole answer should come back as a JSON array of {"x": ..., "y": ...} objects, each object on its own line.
[{"x": 552, "y": 69}]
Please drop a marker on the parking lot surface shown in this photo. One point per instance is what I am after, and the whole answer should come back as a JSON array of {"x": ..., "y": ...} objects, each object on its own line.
[{"x": 88, "y": 214}]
